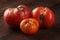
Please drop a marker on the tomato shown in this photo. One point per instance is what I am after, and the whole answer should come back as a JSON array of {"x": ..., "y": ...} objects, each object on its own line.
[
  {"x": 29, "y": 26},
  {"x": 13, "y": 16},
  {"x": 44, "y": 15}
]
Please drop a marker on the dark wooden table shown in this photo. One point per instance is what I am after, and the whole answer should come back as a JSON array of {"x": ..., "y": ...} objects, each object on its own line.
[{"x": 43, "y": 34}]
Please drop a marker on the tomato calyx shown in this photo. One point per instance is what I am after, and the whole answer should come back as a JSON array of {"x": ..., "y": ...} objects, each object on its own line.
[
  {"x": 21, "y": 8},
  {"x": 26, "y": 23}
]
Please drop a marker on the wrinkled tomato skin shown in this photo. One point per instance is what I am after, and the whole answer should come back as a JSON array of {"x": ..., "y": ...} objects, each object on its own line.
[
  {"x": 48, "y": 16},
  {"x": 29, "y": 26},
  {"x": 13, "y": 16}
]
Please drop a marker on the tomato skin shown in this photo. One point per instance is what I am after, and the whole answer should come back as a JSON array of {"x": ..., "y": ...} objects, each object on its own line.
[
  {"x": 29, "y": 26},
  {"x": 48, "y": 16},
  {"x": 13, "y": 16}
]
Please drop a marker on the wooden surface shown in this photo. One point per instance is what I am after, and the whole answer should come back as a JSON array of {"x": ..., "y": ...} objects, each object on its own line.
[{"x": 43, "y": 34}]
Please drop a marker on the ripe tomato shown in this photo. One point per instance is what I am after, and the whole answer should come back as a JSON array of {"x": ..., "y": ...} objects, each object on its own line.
[
  {"x": 44, "y": 15},
  {"x": 29, "y": 26},
  {"x": 13, "y": 16}
]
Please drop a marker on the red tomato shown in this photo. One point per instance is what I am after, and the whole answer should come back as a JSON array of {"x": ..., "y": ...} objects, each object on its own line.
[
  {"x": 13, "y": 16},
  {"x": 29, "y": 26},
  {"x": 44, "y": 15}
]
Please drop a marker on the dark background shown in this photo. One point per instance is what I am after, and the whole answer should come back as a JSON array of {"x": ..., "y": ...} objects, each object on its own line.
[{"x": 43, "y": 34}]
